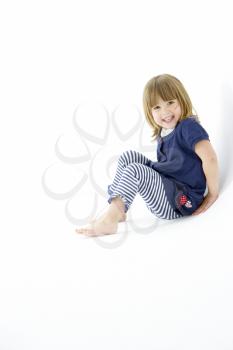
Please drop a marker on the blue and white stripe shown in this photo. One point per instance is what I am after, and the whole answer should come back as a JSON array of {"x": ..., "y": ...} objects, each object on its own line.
[{"x": 134, "y": 175}]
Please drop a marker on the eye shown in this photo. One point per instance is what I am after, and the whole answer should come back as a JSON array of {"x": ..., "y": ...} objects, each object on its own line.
[
  {"x": 156, "y": 107},
  {"x": 170, "y": 102}
]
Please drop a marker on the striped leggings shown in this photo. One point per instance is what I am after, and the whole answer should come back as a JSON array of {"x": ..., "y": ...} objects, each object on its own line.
[{"x": 134, "y": 175}]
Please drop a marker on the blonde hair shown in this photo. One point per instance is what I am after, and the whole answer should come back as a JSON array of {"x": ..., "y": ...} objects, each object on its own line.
[{"x": 167, "y": 87}]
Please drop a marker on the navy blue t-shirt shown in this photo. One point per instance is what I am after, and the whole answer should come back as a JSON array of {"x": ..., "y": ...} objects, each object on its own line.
[{"x": 180, "y": 167}]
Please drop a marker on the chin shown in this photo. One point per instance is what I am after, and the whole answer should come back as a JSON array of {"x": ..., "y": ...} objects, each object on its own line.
[{"x": 170, "y": 126}]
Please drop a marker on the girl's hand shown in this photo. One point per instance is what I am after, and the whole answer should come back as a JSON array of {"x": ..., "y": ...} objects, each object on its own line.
[{"x": 207, "y": 202}]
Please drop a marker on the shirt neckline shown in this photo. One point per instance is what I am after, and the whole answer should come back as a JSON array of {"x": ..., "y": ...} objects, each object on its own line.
[
  {"x": 165, "y": 132},
  {"x": 166, "y": 137}
]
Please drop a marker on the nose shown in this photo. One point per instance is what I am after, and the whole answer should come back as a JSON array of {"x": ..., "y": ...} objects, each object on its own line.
[{"x": 165, "y": 111}]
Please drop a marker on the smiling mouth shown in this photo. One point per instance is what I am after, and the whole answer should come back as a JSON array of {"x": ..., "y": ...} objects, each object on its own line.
[{"x": 167, "y": 120}]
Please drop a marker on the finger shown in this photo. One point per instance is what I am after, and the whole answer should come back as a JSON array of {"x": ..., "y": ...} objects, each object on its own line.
[
  {"x": 198, "y": 210},
  {"x": 201, "y": 209}
]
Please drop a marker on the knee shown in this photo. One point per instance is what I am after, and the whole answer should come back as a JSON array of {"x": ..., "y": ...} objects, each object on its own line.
[
  {"x": 127, "y": 156},
  {"x": 134, "y": 169},
  {"x": 123, "y": 158}
]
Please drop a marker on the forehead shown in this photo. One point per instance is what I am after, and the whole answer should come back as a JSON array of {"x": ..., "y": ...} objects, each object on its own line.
[
  {"x": 161, "y": 100},
  {"x": 161, "y": 90},
  {"x": 161, "y": 96},
  {"x": 158, "y": 100}
]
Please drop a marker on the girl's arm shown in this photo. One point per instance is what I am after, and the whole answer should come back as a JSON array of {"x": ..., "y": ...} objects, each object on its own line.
[{"x": 210, "y": 166}]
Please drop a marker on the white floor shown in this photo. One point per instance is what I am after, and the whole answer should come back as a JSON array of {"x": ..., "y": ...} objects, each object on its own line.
[
  {"x": 156, "y": 284},
  {"x": 170, "y": 288}
]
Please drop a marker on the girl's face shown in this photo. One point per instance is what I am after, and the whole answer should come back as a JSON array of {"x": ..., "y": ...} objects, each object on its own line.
[{"x": 167, "y": 113}]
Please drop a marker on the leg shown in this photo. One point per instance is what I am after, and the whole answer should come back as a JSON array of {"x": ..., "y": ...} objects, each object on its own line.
[
  {"x": 134, "y": 178},
  {"x": 126, "y": 158},
  {"x": 96, "y": 225},
  {"x": 107, "y": 223},
  {"x": 117, "y": 208},
  {"x": 139, "y": 178}
]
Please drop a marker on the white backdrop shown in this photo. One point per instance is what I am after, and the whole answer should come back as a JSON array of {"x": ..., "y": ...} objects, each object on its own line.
[{"x": 72, "y": 75}]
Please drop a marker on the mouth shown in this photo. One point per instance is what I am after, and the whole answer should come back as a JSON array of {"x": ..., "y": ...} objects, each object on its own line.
[{"x": 168, "y": 119}]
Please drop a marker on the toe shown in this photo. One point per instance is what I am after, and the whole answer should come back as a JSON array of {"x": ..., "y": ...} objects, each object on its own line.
[
  {"x": 79, "y": 230},
  {"x": 90, "y": 231}
]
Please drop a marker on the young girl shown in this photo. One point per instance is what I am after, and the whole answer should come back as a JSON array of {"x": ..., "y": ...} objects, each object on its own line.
[{"x": 186, "y": 168}]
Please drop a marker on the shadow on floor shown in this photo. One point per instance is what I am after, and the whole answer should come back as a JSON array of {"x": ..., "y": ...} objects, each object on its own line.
[{"x": 225, "y": 148}]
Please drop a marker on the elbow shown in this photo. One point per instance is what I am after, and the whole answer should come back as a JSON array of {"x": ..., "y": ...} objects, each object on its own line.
[{"x": 210, "y": 160}]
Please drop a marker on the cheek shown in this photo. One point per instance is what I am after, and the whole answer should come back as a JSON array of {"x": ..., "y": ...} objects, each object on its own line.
[
  {"x": 155, "y": 114},
  {"x": 177, "y": 109}
]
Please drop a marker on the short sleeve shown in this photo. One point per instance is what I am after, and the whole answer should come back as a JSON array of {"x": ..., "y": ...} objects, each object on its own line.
[{"x": 192, "y": 132}]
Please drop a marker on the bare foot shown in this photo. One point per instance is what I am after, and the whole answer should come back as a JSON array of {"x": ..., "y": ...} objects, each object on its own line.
[
  {"x": 122, "y": 218},
  {"x": 99, "y": 227}
]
